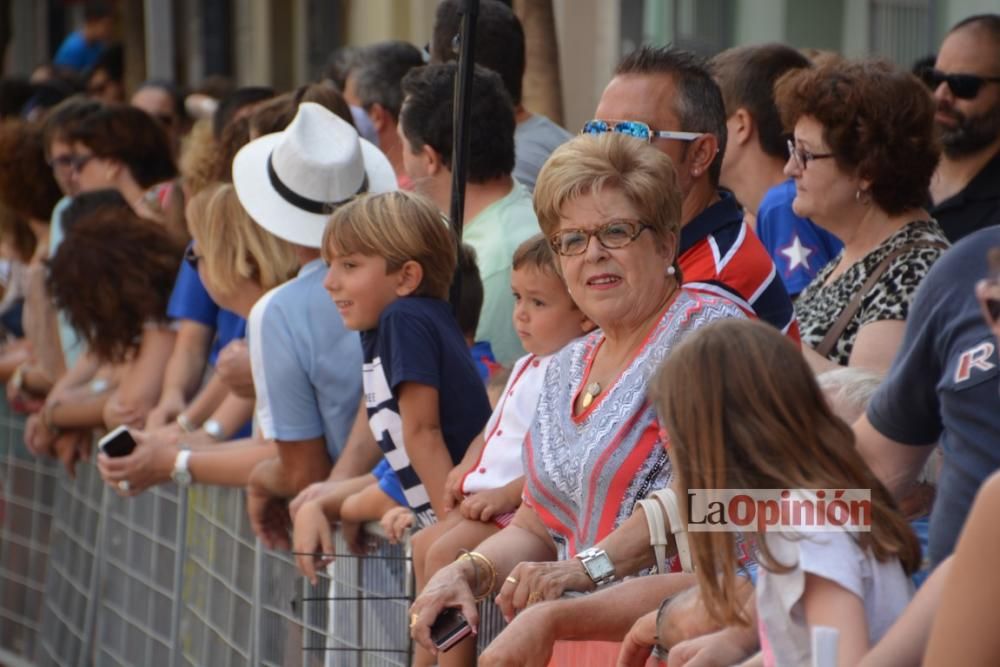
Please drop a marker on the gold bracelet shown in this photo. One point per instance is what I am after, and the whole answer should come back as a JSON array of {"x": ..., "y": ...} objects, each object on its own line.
[{"x": 475, "y": 558}]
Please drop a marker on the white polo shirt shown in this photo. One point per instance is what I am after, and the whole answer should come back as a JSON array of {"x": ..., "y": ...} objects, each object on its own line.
[{"x": 500, "y": 461}]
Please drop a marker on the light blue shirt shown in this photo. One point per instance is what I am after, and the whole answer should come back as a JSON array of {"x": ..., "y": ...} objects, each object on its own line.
[
  {"x": 495, "y": 233},
  {"x": 72, "y": 345},
  {"x": 306, "y": 364}
]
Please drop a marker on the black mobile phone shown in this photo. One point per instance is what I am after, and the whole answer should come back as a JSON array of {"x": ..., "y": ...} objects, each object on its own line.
[
  {"x": 449, "y": 628},
  {"x": 118, "y": 442}
]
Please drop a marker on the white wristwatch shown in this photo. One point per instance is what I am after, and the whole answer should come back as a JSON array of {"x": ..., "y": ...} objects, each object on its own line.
[
  {"x": 181, "y": 475},
  {"x": 213, "y": 428},
  {"x": 598, "y": 566}
]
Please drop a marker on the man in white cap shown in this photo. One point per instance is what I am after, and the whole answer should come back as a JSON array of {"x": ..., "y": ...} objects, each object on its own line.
[{"x": 307, "y": 366}]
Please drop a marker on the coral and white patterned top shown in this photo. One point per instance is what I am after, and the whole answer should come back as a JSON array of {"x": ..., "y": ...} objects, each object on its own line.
[{"x": 584, "y": 473}]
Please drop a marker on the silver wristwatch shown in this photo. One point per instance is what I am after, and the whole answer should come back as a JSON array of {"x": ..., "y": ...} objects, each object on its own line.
[
  {"x": 214, "y": 429},
  {"x": 181, "y": 474},
  {"x": 598, "y": 566}
]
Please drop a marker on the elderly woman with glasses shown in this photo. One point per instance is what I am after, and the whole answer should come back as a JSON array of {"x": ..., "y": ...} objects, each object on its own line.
[
  {"x": 611, "y": 207},
  {"x": 862, "y": 157}
]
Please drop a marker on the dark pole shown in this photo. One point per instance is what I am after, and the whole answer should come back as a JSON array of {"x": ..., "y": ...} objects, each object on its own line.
[{"x": 460, "y": 127}]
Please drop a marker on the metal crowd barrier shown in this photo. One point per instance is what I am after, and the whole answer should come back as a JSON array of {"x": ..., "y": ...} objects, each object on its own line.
[
  {"x": 178, "y": 579},
  {"x": 175, "y": 579},
  {"x": 28, "y": 499}
]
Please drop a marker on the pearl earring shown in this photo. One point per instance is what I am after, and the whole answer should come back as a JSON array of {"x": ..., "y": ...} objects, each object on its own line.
[{"x": 671, "y": 270}]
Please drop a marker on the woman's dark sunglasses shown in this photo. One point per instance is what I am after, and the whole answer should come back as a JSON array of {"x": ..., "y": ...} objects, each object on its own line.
[{"x": 963, "y": 86}]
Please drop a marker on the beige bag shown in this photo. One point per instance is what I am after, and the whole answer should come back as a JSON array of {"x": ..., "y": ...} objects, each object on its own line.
[{"x": 660, "y": 507}]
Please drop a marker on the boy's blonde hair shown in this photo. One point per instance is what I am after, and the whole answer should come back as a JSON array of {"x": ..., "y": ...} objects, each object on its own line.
[
  {"x": 233, "y": 246},
  {"x": 537, "y": 252},
  {"x": 399, "y": 227}
]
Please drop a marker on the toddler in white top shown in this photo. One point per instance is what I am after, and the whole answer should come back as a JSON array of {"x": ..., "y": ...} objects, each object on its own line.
[{"x": 484, "y": 490}]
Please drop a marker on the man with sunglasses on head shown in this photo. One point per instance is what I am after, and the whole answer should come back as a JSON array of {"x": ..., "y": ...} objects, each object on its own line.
[
  {"x": 667, "y": 97},
  {"x": 965, "y": 81}
]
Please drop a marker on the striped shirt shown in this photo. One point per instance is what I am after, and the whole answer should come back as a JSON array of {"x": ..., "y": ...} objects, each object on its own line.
[
  {"x": 723, "y": 256},
  {"x": 584, "y": 472}
]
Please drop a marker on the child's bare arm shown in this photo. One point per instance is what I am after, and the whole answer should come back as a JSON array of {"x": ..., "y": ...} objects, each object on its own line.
[
  {"x": 473, "y": 453},
  {"x": 339, "y": 492},
  {"x": 424, "y": 440},
  {"x": 453, "y": 495},
  {"x": 368, "y": 504}
]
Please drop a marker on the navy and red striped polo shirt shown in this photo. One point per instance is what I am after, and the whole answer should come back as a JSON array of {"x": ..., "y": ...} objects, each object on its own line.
[{"x": 722, "y": 254}]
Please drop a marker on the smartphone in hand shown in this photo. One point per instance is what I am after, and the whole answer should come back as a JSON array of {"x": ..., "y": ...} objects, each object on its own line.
[
  {"x": 118, "y": 442},
  {"x": 449, "y": 628}
]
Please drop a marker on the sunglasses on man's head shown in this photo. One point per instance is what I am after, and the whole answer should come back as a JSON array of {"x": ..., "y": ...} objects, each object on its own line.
[
  {"x": 962, "y": 86},
  {"x": 635, "y": 128}
]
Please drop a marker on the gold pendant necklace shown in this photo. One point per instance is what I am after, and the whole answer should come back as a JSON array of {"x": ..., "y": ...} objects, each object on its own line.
[{"x": 593, "y": 389}]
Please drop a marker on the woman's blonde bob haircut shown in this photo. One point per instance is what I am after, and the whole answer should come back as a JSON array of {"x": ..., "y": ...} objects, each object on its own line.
[
  {"x": 589, "y": 163},
  {"x": 233, "y": 247},
  {"x": 399, "y": 227}
]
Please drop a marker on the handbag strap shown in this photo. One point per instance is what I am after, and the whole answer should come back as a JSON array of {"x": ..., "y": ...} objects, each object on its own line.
[
  {"x": 836, "y": 330},
  {"x": 656, "y": 522},
  {"x": 665, "y": 500}
]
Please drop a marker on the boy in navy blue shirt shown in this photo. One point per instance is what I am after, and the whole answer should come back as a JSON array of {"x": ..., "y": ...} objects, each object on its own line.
[{"x": 391, "y": 262}]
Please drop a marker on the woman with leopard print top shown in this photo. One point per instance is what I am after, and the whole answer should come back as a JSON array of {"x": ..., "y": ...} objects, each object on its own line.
[{"x": 862, "y": 157}]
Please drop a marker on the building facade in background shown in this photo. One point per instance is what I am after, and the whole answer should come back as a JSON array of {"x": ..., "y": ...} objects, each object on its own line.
[{"x": 287, "y": 42}]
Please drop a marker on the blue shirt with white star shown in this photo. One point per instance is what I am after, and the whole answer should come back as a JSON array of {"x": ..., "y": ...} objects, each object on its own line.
[{"x": 799, "y": 247}]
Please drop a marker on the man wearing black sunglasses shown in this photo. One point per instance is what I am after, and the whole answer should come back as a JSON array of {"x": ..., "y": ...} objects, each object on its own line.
[{"x": 965, "y": 81}]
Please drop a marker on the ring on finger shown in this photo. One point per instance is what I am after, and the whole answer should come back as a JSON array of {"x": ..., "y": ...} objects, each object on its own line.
[
  {"x": 511, "y": 580},
  {"x": 534, "y": 597},
  {"x": 124, "y": 486},
  {"x": 414, "y": 617}
]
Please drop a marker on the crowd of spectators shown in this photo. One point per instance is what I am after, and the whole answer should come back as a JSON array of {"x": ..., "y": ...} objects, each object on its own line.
[{"x": 739, "y": 276}]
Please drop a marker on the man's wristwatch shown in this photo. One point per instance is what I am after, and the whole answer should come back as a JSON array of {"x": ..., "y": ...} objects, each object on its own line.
[
  {"x": 181, "y": 475},
  {"x": 598, "y": 566},
  {"x": 214, "y": 429}
]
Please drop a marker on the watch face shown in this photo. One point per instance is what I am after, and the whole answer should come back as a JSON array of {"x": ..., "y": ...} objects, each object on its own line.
[
  {"x": 213, "y": 428},
  {"x": 600, "y": 566},
  {"x": 181, "y": 477}
]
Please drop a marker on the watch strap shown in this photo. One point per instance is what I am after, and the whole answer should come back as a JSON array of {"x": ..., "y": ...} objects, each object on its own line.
[{"x": 181, "y": 473}]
